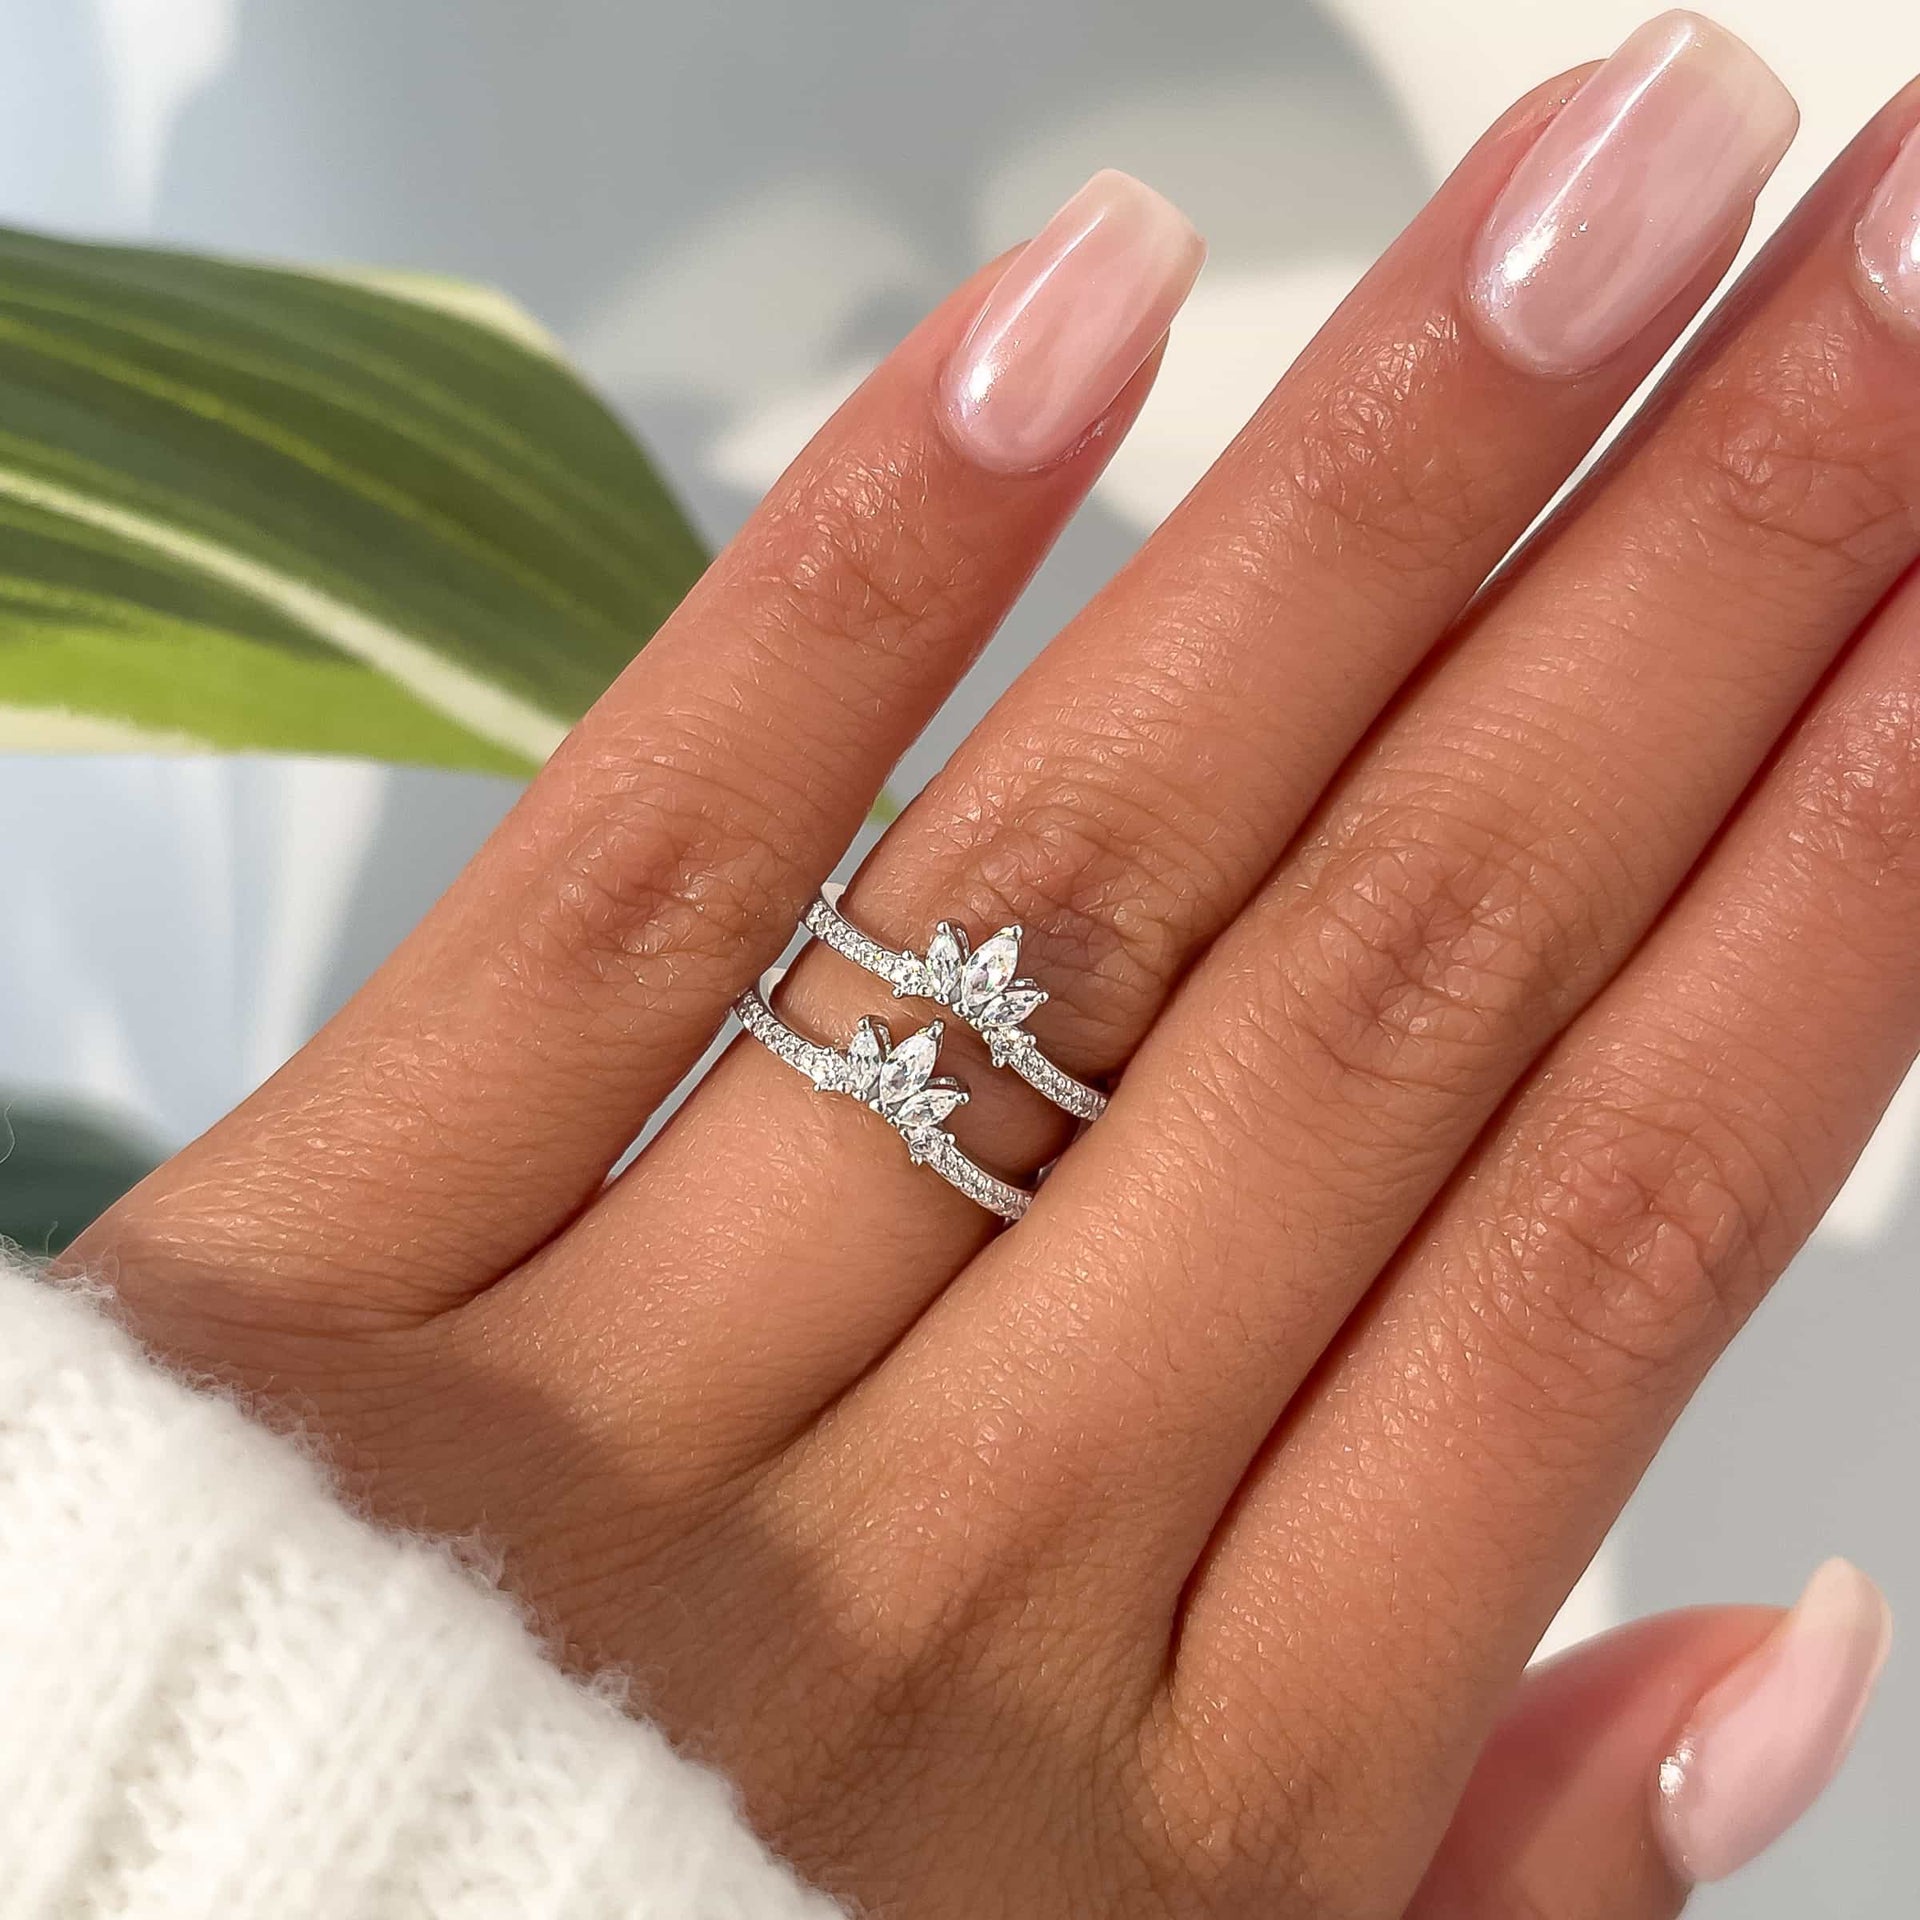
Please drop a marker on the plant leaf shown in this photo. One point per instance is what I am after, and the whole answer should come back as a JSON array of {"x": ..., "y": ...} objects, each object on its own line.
[{"x": 246, "y": 507}]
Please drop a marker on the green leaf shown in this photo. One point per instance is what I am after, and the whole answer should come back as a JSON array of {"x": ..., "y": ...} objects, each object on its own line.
[
  {"x": 247, "y": 507},
  {"x": 61, "y": 1167}
]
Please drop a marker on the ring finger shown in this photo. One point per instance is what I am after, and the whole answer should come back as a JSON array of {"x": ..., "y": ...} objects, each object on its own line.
[
  {"x": 1130, "y": 792},
  {"x": 1472, "y": 881}
]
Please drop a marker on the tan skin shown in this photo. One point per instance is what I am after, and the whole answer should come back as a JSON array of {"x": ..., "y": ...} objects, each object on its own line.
[{"x": 1503, "y": 983}]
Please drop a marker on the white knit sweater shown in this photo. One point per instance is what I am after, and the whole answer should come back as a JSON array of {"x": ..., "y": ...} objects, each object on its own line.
[{"x": 223, "y": 1695}]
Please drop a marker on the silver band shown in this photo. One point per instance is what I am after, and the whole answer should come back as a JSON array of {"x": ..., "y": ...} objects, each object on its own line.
[
  {"x": 898, "y": 1083},
  {"x": 977, "y": 985}
]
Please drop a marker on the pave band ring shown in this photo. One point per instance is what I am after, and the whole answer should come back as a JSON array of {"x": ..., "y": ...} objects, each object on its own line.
[
  {"x": 897, "y": 1082},
  {"x": 975, "y": 984}
]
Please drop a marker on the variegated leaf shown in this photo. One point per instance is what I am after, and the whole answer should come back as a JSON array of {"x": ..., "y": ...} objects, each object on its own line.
[{"x": 248, "y": 508}]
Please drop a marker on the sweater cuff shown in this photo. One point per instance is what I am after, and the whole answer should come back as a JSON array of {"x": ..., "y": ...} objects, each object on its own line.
[{"x": 222, "y": 1694}]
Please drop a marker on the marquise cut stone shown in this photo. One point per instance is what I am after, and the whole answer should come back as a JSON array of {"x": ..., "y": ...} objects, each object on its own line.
[
  {"x": 907, "y": 1068},
  {"x": 991, "y": 968},
  {"x": 928, "y": 1107},
  {"x": 864, "y": 1053},
  {"x": 1010, "y": 1008},
  {"x": 945, "y": 953}
]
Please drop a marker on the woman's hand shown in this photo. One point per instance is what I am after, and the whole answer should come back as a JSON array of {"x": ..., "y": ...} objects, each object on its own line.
[{"x": 1496, "y": 986}]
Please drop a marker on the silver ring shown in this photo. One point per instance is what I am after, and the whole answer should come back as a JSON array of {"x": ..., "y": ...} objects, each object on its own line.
[
  {"x": 897, "y": 1082},
  {"x": 977, "y": 984}
]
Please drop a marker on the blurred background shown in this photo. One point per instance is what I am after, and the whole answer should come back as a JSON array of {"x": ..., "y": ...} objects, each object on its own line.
[{"x": 727, "y": 212}]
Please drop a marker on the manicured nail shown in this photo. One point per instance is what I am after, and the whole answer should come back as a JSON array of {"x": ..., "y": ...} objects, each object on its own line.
[
  {"x": 1069, "y": 323},
  {"x": 1762, "y": 1746},
  {"x": 1627, "y": 194},
  {"x": 1887, "y": 240}
]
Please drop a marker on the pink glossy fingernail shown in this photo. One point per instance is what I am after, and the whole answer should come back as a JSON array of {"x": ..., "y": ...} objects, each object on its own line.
[
  {"x": 1887, "y": 240},
  {"x": 1762, "y": 1746},
  {"x": 1069, "y": 323},
  {"x": 1627, "y": 194}
]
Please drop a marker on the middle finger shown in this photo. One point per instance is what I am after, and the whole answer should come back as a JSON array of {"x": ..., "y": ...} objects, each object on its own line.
[
  {"x": 1472, "y": 882},
  {"x": 1134, "y": 787}
]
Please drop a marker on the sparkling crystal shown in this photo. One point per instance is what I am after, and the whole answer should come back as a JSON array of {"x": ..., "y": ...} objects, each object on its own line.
[
  {"x": 865, "y": 1051},
  {"x": 907, "y": 1068},
  {"x": 928, "y": 1107},
  {"x": 991, "y": 968},
  {"x": 945, "y": 953},
  {"x": 1010, "y": 1008}
]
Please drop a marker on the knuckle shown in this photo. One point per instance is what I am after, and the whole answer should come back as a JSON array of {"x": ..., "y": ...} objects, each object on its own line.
[
  {"x": 1780, "y": 453},
  {"x": 1104, "y": 863},
  {"x": 1429, "y": 945},
  {"x": 673, "y": 873},
  {"x": 1631, "y": 1239}
]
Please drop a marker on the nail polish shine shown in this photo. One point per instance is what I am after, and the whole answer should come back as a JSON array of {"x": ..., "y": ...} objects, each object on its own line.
[
  {"x": 1069, "y": 324},
  {"x": 1627, "y": 194},
  {"x": 1763, "y": 1745}
]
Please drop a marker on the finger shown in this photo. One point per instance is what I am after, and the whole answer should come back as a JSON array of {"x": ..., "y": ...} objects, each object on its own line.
[
  {"x": 1488, "y": 1413},
  {"x": 1471, "y": 884},
  {"x": 1122, "y": 800},
  {"x": 475, "y": 1094},
  {"x": 1584, "y": 1804}
]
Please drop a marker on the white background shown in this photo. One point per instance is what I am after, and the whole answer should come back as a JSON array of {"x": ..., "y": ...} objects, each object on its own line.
[{"x": 727, "y": 211}]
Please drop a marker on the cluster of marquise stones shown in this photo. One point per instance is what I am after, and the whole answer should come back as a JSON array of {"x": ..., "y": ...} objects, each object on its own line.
[
  {"x": 898, "y": 1082},
  {"x": 979, "y": 986}
]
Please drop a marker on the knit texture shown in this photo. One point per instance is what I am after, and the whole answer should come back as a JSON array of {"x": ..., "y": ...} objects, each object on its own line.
[{"x": 222, "y": 1694}]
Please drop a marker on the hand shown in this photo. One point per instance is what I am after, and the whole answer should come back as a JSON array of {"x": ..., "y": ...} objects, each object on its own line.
[{"x": 1495, "y": 985}]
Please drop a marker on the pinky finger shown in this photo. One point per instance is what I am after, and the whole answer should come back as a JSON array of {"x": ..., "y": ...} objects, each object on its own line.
[{"x": 1668, "y": 1752}]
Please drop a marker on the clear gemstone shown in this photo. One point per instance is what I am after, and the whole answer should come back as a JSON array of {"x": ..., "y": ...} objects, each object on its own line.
[
  {"x": 908, "y": 1068},
  {"x": 945, "y": 952},
  {"x": 1011, "y": 1007},
  {"x": 991, "y": 968},
  {"x": 928, "y": 1107},
  {"x": 864, "y": 1052}
]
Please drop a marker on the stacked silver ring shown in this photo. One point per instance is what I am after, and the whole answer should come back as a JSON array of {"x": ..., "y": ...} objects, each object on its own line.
[
  {"x": 896, "y": 1082},
  {"x": 980, "y": 986}
]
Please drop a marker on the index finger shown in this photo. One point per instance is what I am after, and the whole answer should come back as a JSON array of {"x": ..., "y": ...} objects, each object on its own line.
[{"x": 475, "y": 1094}]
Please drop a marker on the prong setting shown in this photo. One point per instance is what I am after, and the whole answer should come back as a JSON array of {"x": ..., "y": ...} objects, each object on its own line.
[
  {"x": 981, "y": 985},
  {"x": 898, "y": 1083}
]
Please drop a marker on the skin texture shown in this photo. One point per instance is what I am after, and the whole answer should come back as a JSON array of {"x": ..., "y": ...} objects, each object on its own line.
[{"x": 1504, "y": 981}]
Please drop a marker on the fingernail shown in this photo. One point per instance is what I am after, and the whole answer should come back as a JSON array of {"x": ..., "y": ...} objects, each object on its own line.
[
  {"x": 1627, "y": 193},
  {"x": 1887, "y": 240},
  {"x": 1069, "y": 323},
  {"x": 1762, "y": 1746}
]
